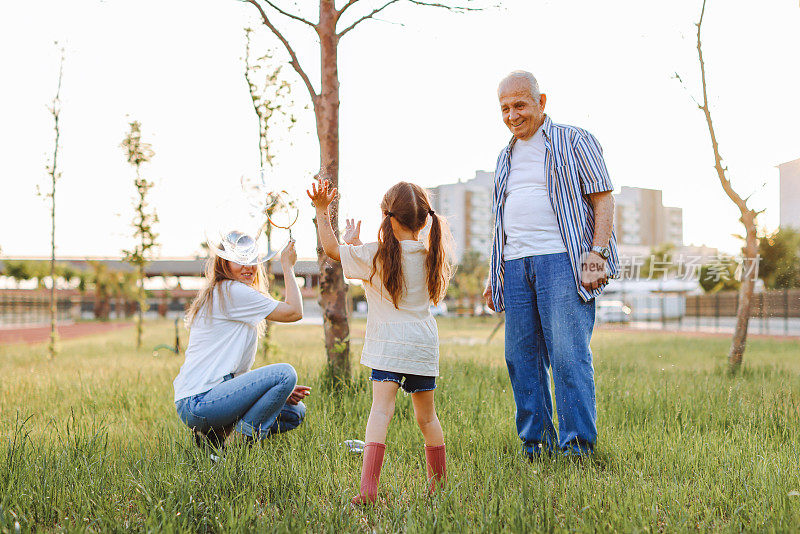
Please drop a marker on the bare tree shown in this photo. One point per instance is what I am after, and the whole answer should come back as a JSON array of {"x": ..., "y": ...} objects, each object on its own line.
[
  {"x": 748, "y": 220},
  {"x": 138, "y": 153},
  {"x": 270, "y": 95},
  {"x": 55, "y": 174},
  {"x": 329, "y": 30}
]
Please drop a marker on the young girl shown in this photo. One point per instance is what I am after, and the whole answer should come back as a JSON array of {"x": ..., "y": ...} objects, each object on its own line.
[
  {"x": 215, "y": 389},
  {"x": 402, "y": 276}
]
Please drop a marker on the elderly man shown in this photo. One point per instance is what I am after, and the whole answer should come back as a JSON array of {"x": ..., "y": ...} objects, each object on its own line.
[{"x": 553, "y": 252}]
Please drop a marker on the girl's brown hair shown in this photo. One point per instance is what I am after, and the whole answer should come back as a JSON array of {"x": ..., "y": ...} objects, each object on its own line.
[
  {"x": 409, "y": 205},
  {"x": 218, "y": 270}
]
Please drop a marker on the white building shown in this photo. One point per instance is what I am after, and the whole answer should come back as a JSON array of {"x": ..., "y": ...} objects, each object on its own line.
[
  {"x": 790, "y": 194},
  {"x": 468, "y": 209},
  {"x": 641, "y": 220}
]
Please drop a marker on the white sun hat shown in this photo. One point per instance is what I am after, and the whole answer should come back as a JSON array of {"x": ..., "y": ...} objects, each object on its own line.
[
  {"x": 238, "y": 233},
  {"x": 241, "y": 248}
]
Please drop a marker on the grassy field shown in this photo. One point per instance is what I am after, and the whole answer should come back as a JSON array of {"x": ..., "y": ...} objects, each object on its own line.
[{"x": 91, "y": 441}]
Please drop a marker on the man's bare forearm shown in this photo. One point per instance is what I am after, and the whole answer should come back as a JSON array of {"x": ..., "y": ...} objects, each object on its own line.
[{"x": 603, "y": 204}]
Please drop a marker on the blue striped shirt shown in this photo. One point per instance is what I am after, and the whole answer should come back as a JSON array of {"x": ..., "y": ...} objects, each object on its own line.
[{"x": 574, "y": 168}]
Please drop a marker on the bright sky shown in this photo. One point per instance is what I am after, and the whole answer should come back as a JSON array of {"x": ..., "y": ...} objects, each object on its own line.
[{"x": 418, "y": 102}]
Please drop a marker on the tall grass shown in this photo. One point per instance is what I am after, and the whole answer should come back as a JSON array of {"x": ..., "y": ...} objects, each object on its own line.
[{"x": 90, "y": 441}]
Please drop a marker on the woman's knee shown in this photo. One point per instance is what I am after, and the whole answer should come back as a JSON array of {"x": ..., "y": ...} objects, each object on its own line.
[{"x": 287, "y": 374}]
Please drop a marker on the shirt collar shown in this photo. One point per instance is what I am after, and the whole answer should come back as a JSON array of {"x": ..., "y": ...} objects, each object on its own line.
[
  {"x": 546, "y": 126},
  {"x": 412, "y": 244}
]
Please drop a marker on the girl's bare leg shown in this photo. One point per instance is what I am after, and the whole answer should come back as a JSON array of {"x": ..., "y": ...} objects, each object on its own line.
[
  {"x": 428, "y": 422},
  {"x": 383, "y": 396}
]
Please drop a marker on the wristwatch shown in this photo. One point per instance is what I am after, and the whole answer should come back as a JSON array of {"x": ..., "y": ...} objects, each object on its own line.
[{"x": 603, "y": 252}]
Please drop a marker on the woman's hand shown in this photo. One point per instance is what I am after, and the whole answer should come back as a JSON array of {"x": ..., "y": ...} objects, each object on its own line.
[
  {"x": 352, "y": 230},
  {"x": 289, "y": 254},
  {"x": 299, "y": 393},
  {"x": 323, "y": 196}
]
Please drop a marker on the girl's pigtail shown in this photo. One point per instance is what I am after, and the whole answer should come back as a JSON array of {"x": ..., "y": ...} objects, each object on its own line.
[
  {"x": 436, "y": 265},
  {"x": 389, "y": 260}
]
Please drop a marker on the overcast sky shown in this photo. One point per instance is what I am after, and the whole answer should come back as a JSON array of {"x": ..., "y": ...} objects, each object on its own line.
[{"x": 418, "y": 102}]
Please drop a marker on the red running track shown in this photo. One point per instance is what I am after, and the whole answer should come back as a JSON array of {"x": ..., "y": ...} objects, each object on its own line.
[{"x": 38, "y": 334}]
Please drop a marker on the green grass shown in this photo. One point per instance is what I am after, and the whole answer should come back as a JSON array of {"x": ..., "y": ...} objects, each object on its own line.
[{"x": 91, "y": 441}]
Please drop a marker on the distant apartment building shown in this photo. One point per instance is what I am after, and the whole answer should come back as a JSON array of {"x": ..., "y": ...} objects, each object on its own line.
[
  {"x": 468, "y": 209},
  {"x": 641, "y": 220},
  {"x": 790, "y": 194}
]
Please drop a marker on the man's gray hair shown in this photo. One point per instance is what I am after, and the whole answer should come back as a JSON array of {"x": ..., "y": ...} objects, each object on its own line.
[{"x": 523, "y": 76}]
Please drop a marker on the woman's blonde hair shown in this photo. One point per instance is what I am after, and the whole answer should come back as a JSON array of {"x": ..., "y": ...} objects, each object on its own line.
[{"x": 218, "y": 270}]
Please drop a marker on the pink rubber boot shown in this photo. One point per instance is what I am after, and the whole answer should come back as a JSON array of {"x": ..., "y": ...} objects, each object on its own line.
[
  {"x": 437, "y": 466},
  {"x": 370, "y": 473}
]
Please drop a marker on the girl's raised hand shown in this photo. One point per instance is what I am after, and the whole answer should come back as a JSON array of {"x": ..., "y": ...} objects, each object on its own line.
[
  {"x": 352, "y": 231},
  {"x": 323, "y": 195}
]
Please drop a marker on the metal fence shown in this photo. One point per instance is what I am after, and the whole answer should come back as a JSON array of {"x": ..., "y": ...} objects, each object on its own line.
[
  {"x": 22, "y": 308},
  {"x": 774, "y": 312}
]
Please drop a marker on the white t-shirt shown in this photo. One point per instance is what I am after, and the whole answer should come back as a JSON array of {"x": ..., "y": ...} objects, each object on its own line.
[
  {"x": 223, "y": 341},
  {"x": 529, "y": 220},
  {"x": 404, "y": 340}
]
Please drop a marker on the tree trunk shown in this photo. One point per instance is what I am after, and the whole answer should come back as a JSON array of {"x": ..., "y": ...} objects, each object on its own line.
[
  {"x": 101, "y": 306},
  {"x": 333, "y": 290},
  {"x": 52, "y": 347},
  {"x": 142, "y": 303},
  {"x": 749, "y": 276}
]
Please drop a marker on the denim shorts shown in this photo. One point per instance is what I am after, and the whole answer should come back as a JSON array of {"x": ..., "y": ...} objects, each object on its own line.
[{"x": 411, "y": 384}]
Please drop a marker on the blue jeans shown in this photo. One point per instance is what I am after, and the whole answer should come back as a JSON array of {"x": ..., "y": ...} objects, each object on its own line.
[
  {"x": 255, "y": 401},
  {"x": 548, "y": 325}
]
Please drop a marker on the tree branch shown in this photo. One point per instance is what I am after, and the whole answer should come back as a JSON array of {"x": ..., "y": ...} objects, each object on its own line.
[
  {"x": 370, "y": 15},
  {"x": 295, "y": 63},
  {"x": 344, "y": 7},
  {"x": 291, "y": 16},
  {"x": 724, "y": 181},
  {"x": 444, "y": 6}
]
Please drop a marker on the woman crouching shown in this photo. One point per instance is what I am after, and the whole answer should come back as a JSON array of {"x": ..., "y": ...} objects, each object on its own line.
[{"x": 216, "y": 391}]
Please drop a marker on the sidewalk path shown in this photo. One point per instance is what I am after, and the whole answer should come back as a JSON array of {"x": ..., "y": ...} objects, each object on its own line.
[{"x": 38, "y": 333}]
